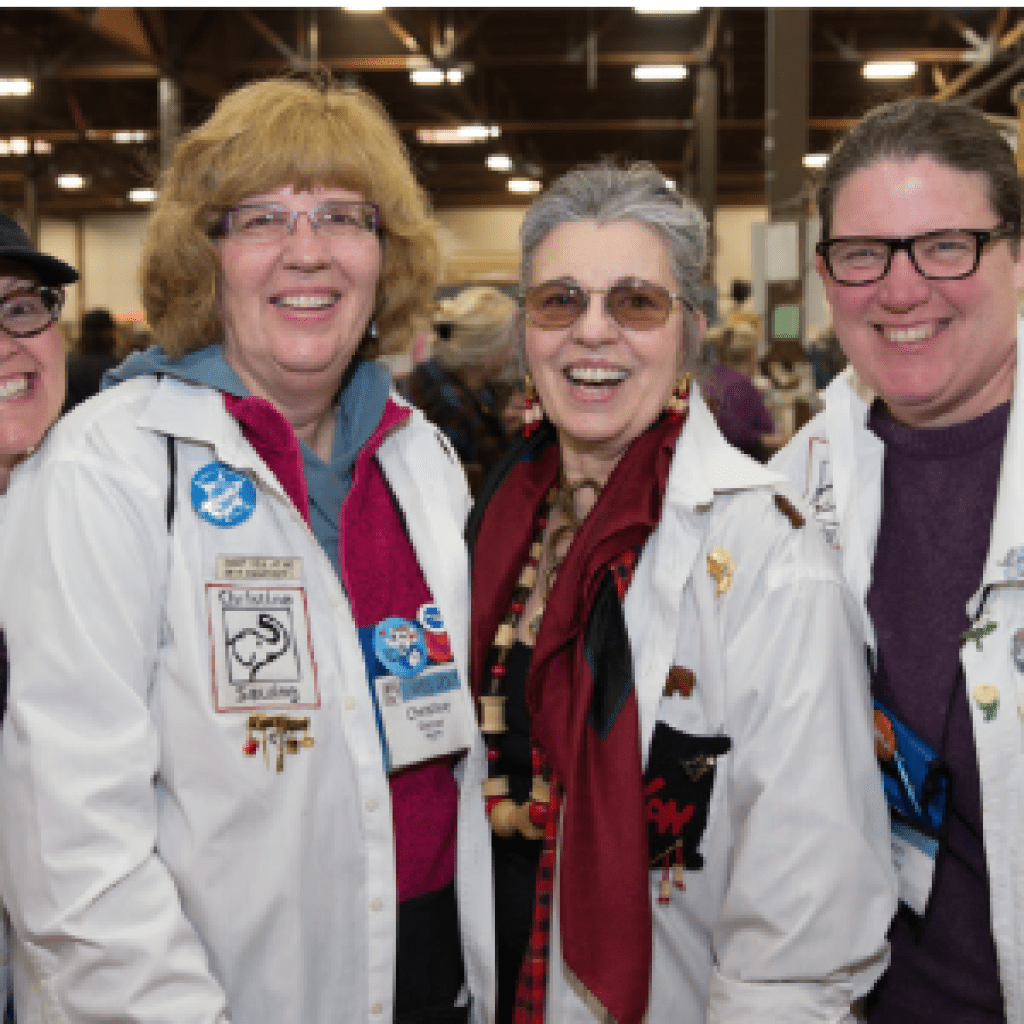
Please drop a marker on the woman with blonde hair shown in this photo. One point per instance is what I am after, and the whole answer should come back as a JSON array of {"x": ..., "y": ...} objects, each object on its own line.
[{"x": 236, "y": 788}]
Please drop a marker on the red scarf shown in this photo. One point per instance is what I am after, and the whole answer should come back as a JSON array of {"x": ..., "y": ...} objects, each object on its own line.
[{"x": 605, "y": 901}]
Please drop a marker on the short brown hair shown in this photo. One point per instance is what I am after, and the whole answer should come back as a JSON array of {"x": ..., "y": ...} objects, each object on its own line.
[
  {"x": 262, "y": 136},
  {"x": 950, "y": 133}
]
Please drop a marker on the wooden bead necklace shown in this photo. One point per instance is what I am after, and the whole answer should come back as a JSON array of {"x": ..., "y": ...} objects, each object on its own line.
[{"x": 528, "y": 818}]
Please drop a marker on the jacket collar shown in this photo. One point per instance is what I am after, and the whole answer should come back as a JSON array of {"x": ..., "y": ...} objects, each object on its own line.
[{"x": 706, "y": 464}]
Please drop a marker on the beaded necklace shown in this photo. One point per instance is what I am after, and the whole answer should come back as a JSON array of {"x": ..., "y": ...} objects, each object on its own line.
[{"x": 508, "y": 817}]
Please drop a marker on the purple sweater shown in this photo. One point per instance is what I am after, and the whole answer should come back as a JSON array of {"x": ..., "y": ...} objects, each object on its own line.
[{"x": 938, "y": 499}]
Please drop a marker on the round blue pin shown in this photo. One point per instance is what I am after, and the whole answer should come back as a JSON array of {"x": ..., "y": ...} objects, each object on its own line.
[
  {"x": 399, "y": 646},
  {"x": 222, "y": 496}
]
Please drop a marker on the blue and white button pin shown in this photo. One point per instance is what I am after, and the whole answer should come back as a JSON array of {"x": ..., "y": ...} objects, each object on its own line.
[
  {"x": 222, "y": 495},
  {"x": 398, "y": 644}
]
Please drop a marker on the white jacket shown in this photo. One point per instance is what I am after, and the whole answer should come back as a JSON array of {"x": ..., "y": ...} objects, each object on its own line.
[
  {"x": 152, "y": 870},
  {"x": 786, "y": 922},
  {"x": 837, "y": 463}
]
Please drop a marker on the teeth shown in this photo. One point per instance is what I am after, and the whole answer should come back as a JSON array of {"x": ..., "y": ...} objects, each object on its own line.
[
  {"x": 14, "y": 388},
  {"x": 305, "y": 301},
  {"x": 595, "y": 376},
  {"x": 909, "y": 334}
]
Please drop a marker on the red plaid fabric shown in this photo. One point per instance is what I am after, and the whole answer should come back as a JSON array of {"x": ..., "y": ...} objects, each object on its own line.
[{"x": 532, "y": 987}]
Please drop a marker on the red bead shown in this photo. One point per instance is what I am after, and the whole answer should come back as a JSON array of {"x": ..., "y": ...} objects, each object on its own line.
[
  {"x": 538, "y": 815},
  {"x": 493, "y": 754},
  {"x": 498, "y": 670}
]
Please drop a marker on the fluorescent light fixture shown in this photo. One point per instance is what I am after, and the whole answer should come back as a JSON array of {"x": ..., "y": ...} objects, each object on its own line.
[
  {"x": 42, "y": 148},
  {"x": 525, "y": 185},
  {"x": 70, "y": 181},
  {"x": 14, "y": 147},
  {"x": 426, "y": 76},
  {"x": 15, "y": 86},
  {"x": 454, "y": 76},
  {"x": 889, "y": 69},
  {"x": 670, "y": 183},
  {"x": 659, "y": 72},
  {"x": 142, "y": 195},
  {"x": 815, "y": 161},
  {"x": 461, "y": 135},
  {"x": 499, "y": 161},
  {"x": 126, "y": 138}
]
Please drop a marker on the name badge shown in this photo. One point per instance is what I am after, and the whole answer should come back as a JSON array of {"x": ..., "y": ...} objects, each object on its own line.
[
  {"x": 913, "y": 856},
  {"x": 423, "y": 706}
]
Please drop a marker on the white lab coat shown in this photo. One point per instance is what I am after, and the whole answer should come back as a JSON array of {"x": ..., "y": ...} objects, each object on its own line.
[
  {"x": 153, "y": 871},
  {"x": 786, "y": 922},
  {"x": 837, "y": 463}
]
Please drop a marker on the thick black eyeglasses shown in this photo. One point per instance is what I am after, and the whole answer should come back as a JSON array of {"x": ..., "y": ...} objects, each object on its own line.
[
  {"x": 946, "y": 255},
  {"x": 635, "y": 305},
  {"x": 30, "y": 310}
]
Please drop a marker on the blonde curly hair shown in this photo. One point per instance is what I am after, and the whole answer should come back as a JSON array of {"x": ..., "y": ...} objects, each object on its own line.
[{"x": 259, "y": 137}]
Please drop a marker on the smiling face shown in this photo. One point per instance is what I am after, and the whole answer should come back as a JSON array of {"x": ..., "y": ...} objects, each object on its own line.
[
  {"x": 295, "y": 312},
  {"x": 31, "y": 381},
  {"x": 602, "y": 385},
  {"x": 938, "y": 352}
]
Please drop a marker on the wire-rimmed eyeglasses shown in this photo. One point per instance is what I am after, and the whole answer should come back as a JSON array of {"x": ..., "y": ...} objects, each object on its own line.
[
  {"x": 946, "y": 255},
  {"x": 265, "y": 222},
  {"x": 635, "y": 305},
  {"x": 30, "y": 309}
]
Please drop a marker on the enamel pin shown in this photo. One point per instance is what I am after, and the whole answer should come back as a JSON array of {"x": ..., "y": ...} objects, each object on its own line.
[{"x": 721, "y": 568}]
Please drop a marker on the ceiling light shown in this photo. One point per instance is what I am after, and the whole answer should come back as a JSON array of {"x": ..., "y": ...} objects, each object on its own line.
[
  {"x": 142, "y": 195},
  {"x": 15, "y": 86},
  {"x": 659, "y": 72},
  {"x": 426, "y": 76},
  {"x": 454, "y": 76},
  {"x": 499, "y": 162},
  {"x": 815, "y": 161},
  {"x": 124, "y": 138},
  {"x": 890, "y": 69},
  {"x": 457, "y": 136},
  {"x": 523, "y": 185},
  {"x": 670, "y": 183},
  {"x": 70, "y": 181},
  {"x": 42, "y": 148},
  {"x": 14, "y": 147}
]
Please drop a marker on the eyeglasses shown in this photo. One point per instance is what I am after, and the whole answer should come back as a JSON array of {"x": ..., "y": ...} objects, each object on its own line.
[
  {"x": 264, "y": 223},
  {"x": 30, "y": 310},
  {"x": 635, "y": 305},
  {"x": 936, "y": 255}
]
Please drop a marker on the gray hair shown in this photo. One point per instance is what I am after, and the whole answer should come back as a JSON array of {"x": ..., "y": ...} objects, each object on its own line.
[
  {"x": 952, "y": 134},
  {"x": 604, "y": 192}
]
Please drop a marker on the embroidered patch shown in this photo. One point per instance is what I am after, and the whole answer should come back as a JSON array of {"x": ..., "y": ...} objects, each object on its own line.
[
  {"x": 820, "y": 495},
  {"x": 262, "y": 653},
  {"x": 222, "y": 496},
  {"x": 789, "y": 510},
  {"x": 1013, "y": 564},
  {"x": 399, "y": 646},
  {"x": 680, "y": 680}
]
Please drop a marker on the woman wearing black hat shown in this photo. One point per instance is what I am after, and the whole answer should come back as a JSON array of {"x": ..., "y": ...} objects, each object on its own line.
[{"x": 31, "y": 387}]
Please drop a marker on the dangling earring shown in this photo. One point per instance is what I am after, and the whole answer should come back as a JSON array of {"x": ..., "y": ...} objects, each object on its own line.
[
  {"x": 679, "y": 400},
  {"x": 371, "y": 328},
  {"x": 533, "y": 413}
]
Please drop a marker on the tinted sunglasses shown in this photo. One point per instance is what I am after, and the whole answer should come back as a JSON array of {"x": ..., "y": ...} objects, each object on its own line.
[{"x": 635, "y": 305}]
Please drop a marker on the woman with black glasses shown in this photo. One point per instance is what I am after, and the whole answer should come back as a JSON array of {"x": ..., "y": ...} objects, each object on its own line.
[
  {"x": 914, "y": 469},
  {"x": 31, "y": 394},
  {"x": 688, "y": 821}
]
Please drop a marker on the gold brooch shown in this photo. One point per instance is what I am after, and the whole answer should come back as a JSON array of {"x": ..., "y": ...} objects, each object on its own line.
[{"x": 721, "y": 567}]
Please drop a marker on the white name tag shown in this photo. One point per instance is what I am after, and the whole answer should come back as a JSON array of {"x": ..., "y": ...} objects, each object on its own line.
[
  {"x": 913, "y": 855},
  {"x": 424, "y": 716}
]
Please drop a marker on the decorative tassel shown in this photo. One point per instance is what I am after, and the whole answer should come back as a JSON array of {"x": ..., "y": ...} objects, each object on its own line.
[
  {"x": 679, "y": 401},
  {"x": 533, "y": 413},
  {"x": 665, "y": 888}
]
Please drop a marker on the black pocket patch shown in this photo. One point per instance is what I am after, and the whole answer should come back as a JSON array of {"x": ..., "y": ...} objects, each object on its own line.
[{"x": 678, "y": 783}]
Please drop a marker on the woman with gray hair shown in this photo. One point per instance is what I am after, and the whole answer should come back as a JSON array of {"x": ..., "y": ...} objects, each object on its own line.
[{"x": 668, "y": 669}]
